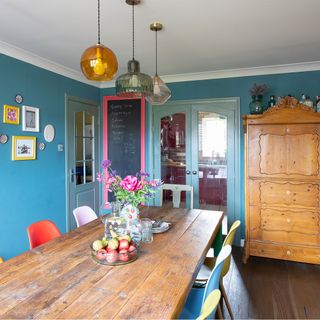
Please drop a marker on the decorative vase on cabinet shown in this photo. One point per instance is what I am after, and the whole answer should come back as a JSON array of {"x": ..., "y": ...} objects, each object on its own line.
[{"x": 255, "y": 105}]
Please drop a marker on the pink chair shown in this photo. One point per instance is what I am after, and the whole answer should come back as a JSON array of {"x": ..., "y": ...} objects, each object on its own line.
[{"x": 84, "y": 215}]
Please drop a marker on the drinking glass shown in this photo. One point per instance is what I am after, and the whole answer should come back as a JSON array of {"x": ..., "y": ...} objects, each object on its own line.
[{"x": 146, "y": 230}]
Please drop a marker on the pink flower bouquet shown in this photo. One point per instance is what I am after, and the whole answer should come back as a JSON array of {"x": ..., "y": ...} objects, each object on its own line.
[{"x": 132, "y": 190}]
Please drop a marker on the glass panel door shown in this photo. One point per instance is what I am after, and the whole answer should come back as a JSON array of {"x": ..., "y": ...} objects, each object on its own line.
[
  {"x": 212, "y": 161},
  {"x": 173, "y": 151}
]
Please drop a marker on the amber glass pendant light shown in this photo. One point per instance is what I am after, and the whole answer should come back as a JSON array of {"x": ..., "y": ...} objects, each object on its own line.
[
  {"x": 98, "y": 62},
  {"x": 161, "y": 93},
  {"x": 134, "y": 84}
]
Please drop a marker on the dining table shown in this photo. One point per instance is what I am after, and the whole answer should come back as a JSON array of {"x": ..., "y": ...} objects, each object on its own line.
[{"x": 61, "y": 280}]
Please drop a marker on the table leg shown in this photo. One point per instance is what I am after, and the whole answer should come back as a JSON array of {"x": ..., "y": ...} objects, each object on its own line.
[{"x": 217, "y": 242}]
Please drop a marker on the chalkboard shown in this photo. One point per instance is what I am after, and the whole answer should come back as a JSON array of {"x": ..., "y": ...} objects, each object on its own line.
[{"x": 124, "y": 134}]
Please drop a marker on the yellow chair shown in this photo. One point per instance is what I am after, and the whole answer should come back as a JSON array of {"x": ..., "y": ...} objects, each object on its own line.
[
  {"x": 210, "y": 305},
  {"x": 1, "y": 259},
  {"x": 209, "y": 264}
]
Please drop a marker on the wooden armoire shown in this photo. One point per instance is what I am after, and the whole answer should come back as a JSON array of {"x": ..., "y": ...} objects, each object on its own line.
[{"x": 282, "y": 183}]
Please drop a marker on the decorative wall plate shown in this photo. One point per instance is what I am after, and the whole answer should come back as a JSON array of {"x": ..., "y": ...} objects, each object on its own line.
[
  {"x": 42, "y": 146},
  {"x": 48, "y": 133},
  {"x": 3, "y": 138},
  {"x": 18, "y": 98}
]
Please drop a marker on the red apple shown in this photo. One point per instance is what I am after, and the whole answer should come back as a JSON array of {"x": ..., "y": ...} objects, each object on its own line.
[
  {"x": 124, "y": 255},
  {"x": 123, "y": 244},
  {"x": 101, "y": 254},
  {"x": 112, "y": 256},
  {"x": 132, "y": 247}
]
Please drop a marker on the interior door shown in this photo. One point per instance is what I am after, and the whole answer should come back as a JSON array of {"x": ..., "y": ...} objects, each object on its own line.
[
  {"x": 83, "y": 156},
  {"x": 196, "y": 144},
  {"x": 173, "y": 148}
]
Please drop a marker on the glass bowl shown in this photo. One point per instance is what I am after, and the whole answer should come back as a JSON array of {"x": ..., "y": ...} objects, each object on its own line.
[{"x": 114, "y": 257}]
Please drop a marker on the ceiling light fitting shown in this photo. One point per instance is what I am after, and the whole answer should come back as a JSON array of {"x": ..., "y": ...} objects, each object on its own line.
[
  {"x": 161, "y": 93},
  {"x": 98, "y": 62},
  {"x": 134, "y": 84}
]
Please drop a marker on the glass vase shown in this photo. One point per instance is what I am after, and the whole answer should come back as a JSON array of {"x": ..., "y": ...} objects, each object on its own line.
[{"x": 255, "y": 105}]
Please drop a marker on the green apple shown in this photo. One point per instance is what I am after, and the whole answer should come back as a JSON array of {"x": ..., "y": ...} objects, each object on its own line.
[{"x": 97, "y": 245}]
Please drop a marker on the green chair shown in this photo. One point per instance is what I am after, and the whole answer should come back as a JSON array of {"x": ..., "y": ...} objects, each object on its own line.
[
  {"x": 209, "y": 264},
  {"x": 210, "y": 305}
]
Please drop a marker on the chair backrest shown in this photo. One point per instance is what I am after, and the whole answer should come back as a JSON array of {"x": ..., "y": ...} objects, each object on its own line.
[
  {"x": 229, "y": 241},
  {"x": 209, "y": 307},
  {"x": 213, "y": 281},
  {"x": 84, "y": 215},
  {"x": 42, "y": 231},
  {"x": 176, "y": 193}
]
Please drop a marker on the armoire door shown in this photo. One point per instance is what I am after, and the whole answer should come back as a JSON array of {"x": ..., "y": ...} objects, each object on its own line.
[{"x": 195, "y": 144}]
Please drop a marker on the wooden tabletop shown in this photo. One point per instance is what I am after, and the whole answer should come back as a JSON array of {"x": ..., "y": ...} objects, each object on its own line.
[{"x": 60, "y": 280}]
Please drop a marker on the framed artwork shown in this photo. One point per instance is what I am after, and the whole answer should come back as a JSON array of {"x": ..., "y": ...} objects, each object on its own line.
[
  {"x": 30, "y": 119},
  {"x": 23, "y": 148},
  {"x": 10, "y": 114}
]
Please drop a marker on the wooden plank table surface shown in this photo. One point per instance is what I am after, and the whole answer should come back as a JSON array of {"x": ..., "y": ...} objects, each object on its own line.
[{"x": 60, "y": 280}]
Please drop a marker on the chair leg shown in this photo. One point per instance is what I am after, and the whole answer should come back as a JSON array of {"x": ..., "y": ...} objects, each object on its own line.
[
  {"x": 219, "y": 312},
  {"x": 224, "y": 295}
]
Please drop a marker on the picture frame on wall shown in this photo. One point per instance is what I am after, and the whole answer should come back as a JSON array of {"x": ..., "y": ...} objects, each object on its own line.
[
  {"x": 24, "y": 148},
  {"x": 11, "y": 114},
  {"x": 30, "y": 119}
]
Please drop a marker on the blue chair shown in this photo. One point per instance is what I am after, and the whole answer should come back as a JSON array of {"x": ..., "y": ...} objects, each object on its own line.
[{"x": 197, "y": 296}]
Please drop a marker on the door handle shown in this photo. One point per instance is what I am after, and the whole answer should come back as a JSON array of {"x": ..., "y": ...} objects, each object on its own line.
[
  {"x": 194, "y": 172},
  {"x": 71, "y": 173},
  {"x": 188, "y": 172}
]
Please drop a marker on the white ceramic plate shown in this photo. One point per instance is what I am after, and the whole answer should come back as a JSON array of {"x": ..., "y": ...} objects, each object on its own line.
[
  {"x": 48, "y": 133},
  {"x": 161, "y": 226}
]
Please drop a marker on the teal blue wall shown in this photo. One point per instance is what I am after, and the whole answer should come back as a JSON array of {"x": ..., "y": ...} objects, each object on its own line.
[
  {"x": 35, "y": 189},
  {"x": 279, "y": 84}
]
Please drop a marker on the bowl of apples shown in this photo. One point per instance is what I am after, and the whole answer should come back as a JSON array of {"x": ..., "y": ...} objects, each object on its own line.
[{"x": 115, "y": 251}]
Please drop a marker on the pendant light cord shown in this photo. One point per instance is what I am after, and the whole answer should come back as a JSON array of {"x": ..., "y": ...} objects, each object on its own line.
[
  {"x": 98, "y": 21},
  {"x": 133, "y": 31},
  {"x": 156, "y": 52}
]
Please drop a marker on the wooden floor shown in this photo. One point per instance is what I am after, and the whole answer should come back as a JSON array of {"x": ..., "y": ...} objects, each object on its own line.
[{"x": 272, "y": 289}]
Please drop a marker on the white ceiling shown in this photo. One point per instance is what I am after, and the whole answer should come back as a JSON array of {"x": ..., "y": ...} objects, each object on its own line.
[{"x": 199, "y": 36}]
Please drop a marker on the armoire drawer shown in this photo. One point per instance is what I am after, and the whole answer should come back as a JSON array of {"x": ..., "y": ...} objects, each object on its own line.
[
  {"x": 286, "y": 252},
  {"x": 284, "y": 225},
  {"x": 279, "y": 193}
]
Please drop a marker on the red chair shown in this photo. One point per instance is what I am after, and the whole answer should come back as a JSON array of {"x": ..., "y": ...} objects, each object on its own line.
[{"x": 42, "y": 231}]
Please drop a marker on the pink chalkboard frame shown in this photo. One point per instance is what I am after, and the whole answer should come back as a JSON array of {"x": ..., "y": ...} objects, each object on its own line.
[{"x": 106, "y": 99}]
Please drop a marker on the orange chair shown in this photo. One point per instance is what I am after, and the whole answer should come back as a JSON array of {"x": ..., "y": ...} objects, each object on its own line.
[{"x": 42, "y": 231}]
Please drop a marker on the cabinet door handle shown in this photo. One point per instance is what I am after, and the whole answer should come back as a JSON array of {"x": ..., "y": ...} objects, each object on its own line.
[
  {"x": 188, "y": 172},
  {"x": 194, "y": 172}
]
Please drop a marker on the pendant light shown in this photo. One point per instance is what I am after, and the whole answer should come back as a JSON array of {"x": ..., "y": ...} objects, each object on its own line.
[
  {"x": 98, "y": 62},
  {"x": 134, "y": 84},
  {"x": 161, "y": 93}
]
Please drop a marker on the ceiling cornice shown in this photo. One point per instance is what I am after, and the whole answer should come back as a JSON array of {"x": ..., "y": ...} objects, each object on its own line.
[
  {"x": 235, "y": 73},
  {"x": 26, "y": 56},
  {"x": 41, "y": 62}
]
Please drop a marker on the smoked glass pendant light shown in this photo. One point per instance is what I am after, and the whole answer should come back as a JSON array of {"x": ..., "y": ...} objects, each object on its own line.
[
  {"x": 161, "y": 93},
  {"x": 134, "y": 84},
  {"x": 98, "y": 62}
]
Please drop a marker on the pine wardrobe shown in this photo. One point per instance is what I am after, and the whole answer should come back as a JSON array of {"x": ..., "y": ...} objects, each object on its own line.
[{"x": 282, "y": 183}]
